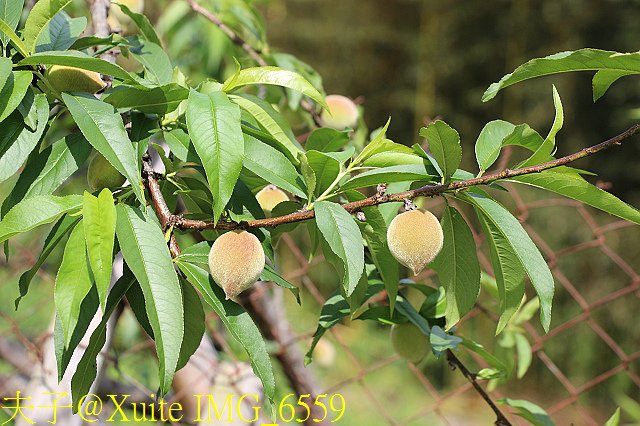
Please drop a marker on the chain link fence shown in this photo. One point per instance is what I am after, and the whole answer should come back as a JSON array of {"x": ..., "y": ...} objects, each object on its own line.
[{"x": 585, "y": 367}]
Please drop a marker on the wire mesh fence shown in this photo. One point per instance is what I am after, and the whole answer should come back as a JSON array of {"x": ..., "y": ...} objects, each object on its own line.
[{"x": 586, "y": 366}]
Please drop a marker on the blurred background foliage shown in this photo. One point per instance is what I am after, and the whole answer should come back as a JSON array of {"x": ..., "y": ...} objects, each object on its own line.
[{"x": 415, "y": 60}]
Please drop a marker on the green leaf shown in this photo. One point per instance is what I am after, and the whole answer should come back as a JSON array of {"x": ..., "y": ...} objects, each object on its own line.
[
  {"x": 194, "y": 323},
  {"x": 214, "y": 127},
  {"x": 180, "y": 145},
  {"x": 56, "y": 235},
  {"x": 565, "y": 182},
  {"x": 523, "y": 348},
  {"x": 13, "y": 91},
  {"x": 405, "y": 173},
  {"x": 16, "y": 151},
  {"x": 99, "y": 217},
  {"x": 308, "y": 175},
  {"x": 73, "y": 282},
  {"x": 278, "y": 170},
  {"x": 238, "y": 323},
  {"x": 490, "y": 142},
  {"x": 104, "y": 129},
  {"x": 333, "y": 311},
  {"x": 61, "y": 32},
  {"x": 508, "y": 270},
  {"x": 603, "y": 79},
  {"x": 374, "y": 231},
  {"x": 457, "y": 266},
  {"x": 135, "y": 299},
  {"x": 578, "y": 60},
  {"x": 74, "y": 58},
  {"x": 48, "y": 169},
  {"x": 529, "y": 411},
  {"x": 157, "y": 100},
  {"x": 142, "y": 22},
  {"x": 442, "y": 341},
  {"x": 10, "y": 12},
  {"x": 344, "y": 239},
  {"x": 36, "y": 211},
  {"x": 392, "y": 158},
  {"x": 326, "y": 139},
  {"x": 146, "y": 253},
  {"x": 64, "y": 352},
  {"x": 544, "y": 152},
  {"x": 270, "y": 274},
  {"x": 614, "y": 420},
  {"x": 271, "y": 122},
  {"x": 375, "y": 146},
  {"x": 87, "y": 369},
  {"x": 154, "y": 59},
  {"x": 274, "y": 76},
  {"x": 325, "y": 169},
  {"x": 444, "y": 144},
  {"x": 37, "y": 21},
  {"x": 525, "y": 250},
  {"x": 494, "y": 362},
  {"x": 5, "y": 69}
]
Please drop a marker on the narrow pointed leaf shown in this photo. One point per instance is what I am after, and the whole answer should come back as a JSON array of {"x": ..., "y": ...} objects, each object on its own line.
[
  {"x": 99, "y": 218},
  {"x": 578, "y": 60},
  {"x": 74, "y": 58},
  {"x": 104, "y": 129},
  {"x": 36, "y": 211},
  {"x": 9, "y": 33},
  {"x": 576, "y": 187},
  {"x": 87, "y": 369},
  {"x": 37, "y": 21},
  {"x": 214, "y": 127},
  {"x": 55, "y": 236},
  {"x": 61, "y": 32},
  {"x": 19, "y": 148},
  {"x": 457, "y": 266},
  {"x": 278, "y": 170},
  {"x": 526, "y": 251},
  {"x": 194, "y": 323},
  {"x": 10, "y": 12},
  {"x": 343, "y": 237},
  {"x": 274, "y": 76},
  {"x": 272, "y": 122},
  {"x": 13, "y": 91},
  {"x": 404, "y": 173},
  {"x": 508, "y": 270},
  {"x": 142, "y": 22},
  {"x": 545, "y": 151},
  {"x": 48, "y": 169},
  {"x": 146, "y": 253},
  {"x": 444, "y": 144},
  {"x": 238, "y": 323},
  {"x": 73, "y": 282}
]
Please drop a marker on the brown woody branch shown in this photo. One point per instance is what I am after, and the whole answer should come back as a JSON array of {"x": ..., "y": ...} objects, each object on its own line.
[
  {"x": 454, "y": 362},
  {"x": 182, "y": 223}
]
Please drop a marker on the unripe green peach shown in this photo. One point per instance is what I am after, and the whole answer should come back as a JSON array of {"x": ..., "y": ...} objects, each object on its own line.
[
  {"x": 102, "y": 174},
  {"x": 342, "y": 113},
  {"x": 270, "y": 196},
  {"x": 415, "y": 238},
  {"x": 71, "y": 79},
  {"x": 236, "y": 261},
  {"x": 409, "y": 342}
]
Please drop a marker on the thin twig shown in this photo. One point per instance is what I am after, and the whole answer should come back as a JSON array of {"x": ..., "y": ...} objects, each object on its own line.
[
  {"x": 454, "y": 362},
  {"x": 99, "y": 13},
  {"x": 233, "y": 36},
  {"x": 182, "y": 223}
]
